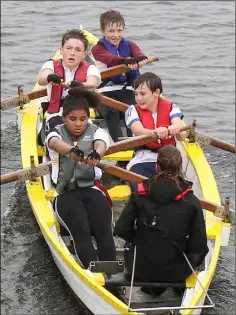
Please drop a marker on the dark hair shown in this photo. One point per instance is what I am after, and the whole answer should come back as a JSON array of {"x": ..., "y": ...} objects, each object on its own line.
[
  {"x": 77, "y": 34},
  {"x": 151, "y": 79},
  {"x": 169, "y": 160},
  {"x": 80, "y": 98},
  {"x": 111, "y": 17}
]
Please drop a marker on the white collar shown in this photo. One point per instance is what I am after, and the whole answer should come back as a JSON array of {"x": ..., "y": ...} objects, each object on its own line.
[{"x": 67, "y": 69}]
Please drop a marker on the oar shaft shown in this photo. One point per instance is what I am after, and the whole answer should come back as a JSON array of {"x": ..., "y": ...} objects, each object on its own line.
[
  {"x": 201, "y": 138},
  {"x": 116, "y": 70},
  {"x": 113, "y": 103},
  {"x": 137, "y": 141},
  {"x": 43, "y": 169},
  {"x": 10, "y": 177},
  {"x": 14, "y": 101},
  {"x": 136, "y": 178}
]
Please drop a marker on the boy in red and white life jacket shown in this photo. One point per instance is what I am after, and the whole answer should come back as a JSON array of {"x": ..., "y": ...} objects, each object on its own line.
[
  {"x": 152, "y": 113},
  {"x": 111, "y": 50},
  {"x": 70, "y": 68}
]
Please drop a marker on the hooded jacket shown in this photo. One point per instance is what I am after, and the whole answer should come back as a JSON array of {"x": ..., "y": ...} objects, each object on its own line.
[{"x": 163, "y": 228}]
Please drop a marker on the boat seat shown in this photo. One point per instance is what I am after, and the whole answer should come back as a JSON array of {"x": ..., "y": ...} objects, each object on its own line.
[
  {"x": 117, "y": 193},
  {"x": 119, "y": 156},
  {"x": 116, "y": 276}
]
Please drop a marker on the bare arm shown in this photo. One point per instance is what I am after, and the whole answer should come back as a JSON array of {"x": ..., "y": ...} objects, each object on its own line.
[
  {"x": 174, "y": 129},
  {"x": 138, "y": 129},
  {"x": 100, "y": 147},
  {"x": 42, "y": 77},
  {"x": 92, "y": 81},
  {"x": 59, "y": 146}
]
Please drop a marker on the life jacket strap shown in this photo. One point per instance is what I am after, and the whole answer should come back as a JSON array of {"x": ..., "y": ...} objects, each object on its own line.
[
  {"x": 141, "y": 190},
  {"x": 183, "y": 193},
  {"x": 103, "y": 189}
]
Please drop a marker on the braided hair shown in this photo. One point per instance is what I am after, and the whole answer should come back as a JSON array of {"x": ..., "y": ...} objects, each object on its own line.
[{"x": 80, "y": 98}]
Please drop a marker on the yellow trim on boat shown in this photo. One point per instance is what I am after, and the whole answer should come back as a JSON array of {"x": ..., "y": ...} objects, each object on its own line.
[{"x": 213, "y": 224}]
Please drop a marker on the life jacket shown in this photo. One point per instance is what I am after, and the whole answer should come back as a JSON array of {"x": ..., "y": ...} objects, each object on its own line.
[
  {"x": 56, "y": 92},
  {"x": 163, "y": 119},
  {"x": 123, "y": 51},
  {"x": 142, "y": 191},
  {"x": 71, "y": 174}
]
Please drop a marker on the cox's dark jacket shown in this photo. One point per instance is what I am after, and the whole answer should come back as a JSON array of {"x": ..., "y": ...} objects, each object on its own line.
[{"x": 163, "y": 228}]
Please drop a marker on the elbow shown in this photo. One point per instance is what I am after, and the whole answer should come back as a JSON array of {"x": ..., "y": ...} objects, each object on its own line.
[{"x": 42, "y": 82}]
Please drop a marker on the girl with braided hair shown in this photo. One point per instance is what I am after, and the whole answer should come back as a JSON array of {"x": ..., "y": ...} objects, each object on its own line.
[
  {"x": 81, "y": 206},
  {"x": 164, "y": 219}
]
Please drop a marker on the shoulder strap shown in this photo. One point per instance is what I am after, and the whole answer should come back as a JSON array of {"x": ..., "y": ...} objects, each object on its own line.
[{"x": 183, "y": 193}]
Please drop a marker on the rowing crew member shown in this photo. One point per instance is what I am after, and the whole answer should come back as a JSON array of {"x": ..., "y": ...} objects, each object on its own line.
[
  {"x": 164, "y": 219},
  {"x": 111, "y": 50},
  {"x": 151, "y": 113},
  {"x": 82, "y": 203},
  {"x": 71, "y": 68}
]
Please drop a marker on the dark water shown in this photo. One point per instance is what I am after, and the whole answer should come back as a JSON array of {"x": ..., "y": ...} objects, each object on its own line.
[{"x": 195, "y": 42}]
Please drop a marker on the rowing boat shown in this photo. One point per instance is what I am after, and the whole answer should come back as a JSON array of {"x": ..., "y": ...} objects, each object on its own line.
[{"x": 89, "y": 285}]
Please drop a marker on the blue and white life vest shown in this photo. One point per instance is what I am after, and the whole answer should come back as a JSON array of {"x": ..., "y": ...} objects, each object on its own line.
[{"x": 122, "y": 51}]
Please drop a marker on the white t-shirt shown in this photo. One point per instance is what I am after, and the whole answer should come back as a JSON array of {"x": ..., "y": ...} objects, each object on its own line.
[
  {"x": 131, "y": 116},
  {"x": 109, "y": 86},
  {"x": 69, "y": 76},
  {"x": 100, "y": 134}
]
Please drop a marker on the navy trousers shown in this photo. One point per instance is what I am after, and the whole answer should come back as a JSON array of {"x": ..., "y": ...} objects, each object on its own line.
[{"x": 146, "y": 169}]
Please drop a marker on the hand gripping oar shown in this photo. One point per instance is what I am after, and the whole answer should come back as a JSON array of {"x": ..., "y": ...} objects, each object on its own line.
[
  {"x": 127, "y": 144},
  {"x": 193, "y": 135},
  {"x": 31, "y": 173},
  {"x": 26, "y": 98},
  {"x": 116, "y": 70}
]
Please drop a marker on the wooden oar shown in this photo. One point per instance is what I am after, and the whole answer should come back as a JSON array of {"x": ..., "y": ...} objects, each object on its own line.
[
  {"x": 42, "y": 169},
  {"x": 224, "y": 213},
  {"x": 195, "y": 135},
  {"x": 26, "y": 98},
  {"x": 137, "y": 141},
  {"x": 208, "y": 140},
  {"x": 121, "y": 69},
  {"x": 123, "y": 145}
]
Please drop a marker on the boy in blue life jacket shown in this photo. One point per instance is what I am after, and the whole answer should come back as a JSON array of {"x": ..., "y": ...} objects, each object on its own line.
[{"x": 111, "y": 50}]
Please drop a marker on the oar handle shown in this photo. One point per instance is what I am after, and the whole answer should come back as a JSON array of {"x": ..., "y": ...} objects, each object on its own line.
[
  {"x": 116, "y": 70},
  {"x": 137, "y": 141}
]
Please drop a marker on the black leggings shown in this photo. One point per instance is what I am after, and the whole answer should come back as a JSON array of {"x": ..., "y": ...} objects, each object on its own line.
[
  {"x": 113, "y": 116},
  {"x": 85, "y": 212}
]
